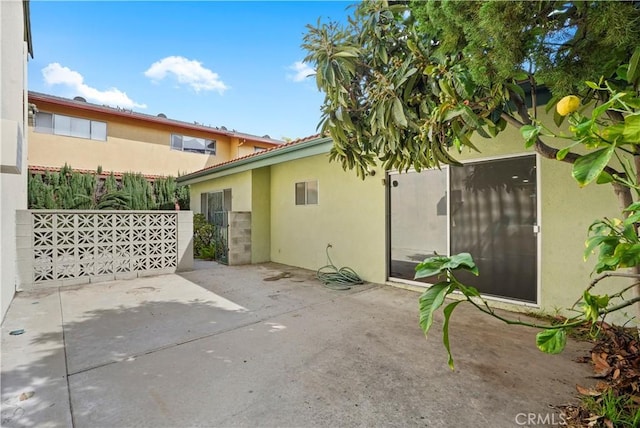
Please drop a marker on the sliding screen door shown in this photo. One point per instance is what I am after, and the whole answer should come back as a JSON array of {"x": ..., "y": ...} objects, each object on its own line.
[
  {"x": 494, "y": 217},
  {"x": 491, "y": 212}
]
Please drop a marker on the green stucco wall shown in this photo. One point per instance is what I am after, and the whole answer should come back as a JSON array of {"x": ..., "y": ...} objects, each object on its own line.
[
  {"x": 566, "y": 211},
  {"x": 261, "y": 215},
  {"x": 350, "y": 216}
]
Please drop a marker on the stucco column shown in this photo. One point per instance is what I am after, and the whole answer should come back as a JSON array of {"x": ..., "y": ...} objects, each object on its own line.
[
  {"x": 185, "y": 241},
  {"x": 24, "y": 247}
]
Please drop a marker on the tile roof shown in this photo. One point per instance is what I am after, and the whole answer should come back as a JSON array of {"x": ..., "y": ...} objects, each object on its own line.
[
  {"x": 42, "y": 169},
  {"x": 34, "y": 97},
  {"x": 256, "y": 154}
]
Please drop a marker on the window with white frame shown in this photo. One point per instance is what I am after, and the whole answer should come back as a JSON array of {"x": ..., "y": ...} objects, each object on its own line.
[
  {"x": 186, "y": 143},
  {"x": 59, "y": 124},
  {"x": 307, "y": 193},
  {"x": 257, "y": 149}
]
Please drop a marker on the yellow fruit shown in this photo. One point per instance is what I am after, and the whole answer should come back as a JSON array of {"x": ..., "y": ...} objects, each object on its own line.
[{"x": 567, "y": 105}]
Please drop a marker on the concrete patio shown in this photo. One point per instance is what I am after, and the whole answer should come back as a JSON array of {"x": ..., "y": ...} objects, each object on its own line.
[{"x": 250, "y": 346}]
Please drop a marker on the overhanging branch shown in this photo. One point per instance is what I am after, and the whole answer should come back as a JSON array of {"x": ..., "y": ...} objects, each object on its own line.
[{"x": 540, "y": 146}]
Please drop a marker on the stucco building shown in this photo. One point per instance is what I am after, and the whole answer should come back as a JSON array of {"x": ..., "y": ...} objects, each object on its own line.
[
  {"x": 520, "y": 216},
  {"x": 15, "y": 45},
  {"x": 86, "y": 135}
]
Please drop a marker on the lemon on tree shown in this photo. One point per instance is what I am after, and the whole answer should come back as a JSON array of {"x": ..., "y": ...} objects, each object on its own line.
[{"x": 567, "y": 105}]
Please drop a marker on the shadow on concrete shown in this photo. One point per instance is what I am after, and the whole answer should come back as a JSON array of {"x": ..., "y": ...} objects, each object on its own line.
[
  {"x": 295, "y": 354},
  {"x": 100, "y": 338}
]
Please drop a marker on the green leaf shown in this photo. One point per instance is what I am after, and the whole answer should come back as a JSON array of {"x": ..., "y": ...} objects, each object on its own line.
[
  {"x": 517, "y": 89},
  {"x": 468, "y": 290},
  {"x": 521, "y": 75},
  {"x": 551, "y": 104},
  {"x": 463, "y": 260},
  {"x": 451, "y": 113},
  {"x": 598, "y": 111},
  {"x": 557, "y": 118},
  {"x": 445, "y": 330},
  {"x": 590, "y": 307},
  {"x": 633, "y": 73},
  {"x": 430, "y": 301},
  {"x": 612, "y": 132},
  {"x": 346, "y": 54},
  {"x": 562, "y": 153},
  {"x": 398, "y": 113},
  {"x": 592, "y": 85},
  {"x": 530, "y": 134},
  {"x": 435, "y": 265},
  {"x": 588, "y": 167},
  {"x": 594, "y": 241},
  {"x": 633, "y": 207},
  {"x": 604, "y": 178},
  {"x": 551, "y": 341},
  {"x": 631, "y": 131}
]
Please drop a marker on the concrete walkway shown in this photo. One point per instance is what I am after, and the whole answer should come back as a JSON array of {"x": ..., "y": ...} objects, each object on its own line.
[{"x": 250, "y": 346}]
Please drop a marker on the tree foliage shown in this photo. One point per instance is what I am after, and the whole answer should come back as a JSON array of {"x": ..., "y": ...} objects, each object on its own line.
[
  {"x": 408, "y": 83},
  {"x": 561, "y": 44},
  {"x": 405, "y": 83}
]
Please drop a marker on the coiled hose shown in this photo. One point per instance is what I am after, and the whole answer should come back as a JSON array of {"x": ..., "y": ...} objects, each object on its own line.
[{"x": 337, "y": 279}]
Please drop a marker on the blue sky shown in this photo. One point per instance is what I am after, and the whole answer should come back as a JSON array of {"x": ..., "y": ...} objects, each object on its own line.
[{"x": 220, "y": 63}]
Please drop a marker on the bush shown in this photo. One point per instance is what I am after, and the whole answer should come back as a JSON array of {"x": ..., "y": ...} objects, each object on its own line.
[
  {"x": 208, "y": 252},
  {"x": 203, "y": 235},
  {"x": 69, "y": 189}
]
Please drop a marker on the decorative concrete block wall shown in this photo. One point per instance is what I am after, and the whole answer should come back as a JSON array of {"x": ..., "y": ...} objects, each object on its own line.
[
  {"x": 64, "y": 247},
  {"x": 239, "y": 238}
]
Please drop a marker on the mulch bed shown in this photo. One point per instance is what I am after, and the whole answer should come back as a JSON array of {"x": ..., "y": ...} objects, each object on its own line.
[{"x": 615, "y": 359}]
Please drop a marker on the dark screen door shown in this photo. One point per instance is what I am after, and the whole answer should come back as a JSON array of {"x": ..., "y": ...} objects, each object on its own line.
[{"x": 493, "y": 216}]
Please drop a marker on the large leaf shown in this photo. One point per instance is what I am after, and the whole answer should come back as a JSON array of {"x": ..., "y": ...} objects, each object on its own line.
[
  {"x": 631, "y": 131},
  {"x": 587, "y": 168},
  {"x": 430, "y": 301},
  {"x": 551, "y": 341},
  {"x": 398, "y": 113},
  {"x": 436, "y": 265},
  {"x": 445, "y": 330}
]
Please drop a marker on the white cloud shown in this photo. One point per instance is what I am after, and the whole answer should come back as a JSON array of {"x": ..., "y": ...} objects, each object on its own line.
[
  {"x": 55, "y": 74},
  {"x": 190, "y": 72},
  {"x": 302, "y": 71}
]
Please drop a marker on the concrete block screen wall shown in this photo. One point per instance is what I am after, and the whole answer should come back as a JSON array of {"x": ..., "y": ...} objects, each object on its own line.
[{"x": 75, "y": 247}]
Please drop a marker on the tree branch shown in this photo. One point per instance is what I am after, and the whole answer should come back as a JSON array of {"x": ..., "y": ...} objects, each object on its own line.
[
  {"x": 609, "y": 275},
  {"x": 540, "y": 146},
  {"x": 610, "y": 309},
  {"x": 512, "y": 120}
]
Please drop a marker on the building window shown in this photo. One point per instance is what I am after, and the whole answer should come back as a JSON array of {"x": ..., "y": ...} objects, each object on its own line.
[
  {"x": 58, "y": 124},
  {"x": 307, "y": 193},
  {"x": 193, "y": 144},
  {"x": 258, "y": 149}
]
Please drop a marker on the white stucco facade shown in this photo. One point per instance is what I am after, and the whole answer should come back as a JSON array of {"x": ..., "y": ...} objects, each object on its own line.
[{"x": 13, "y": 141}]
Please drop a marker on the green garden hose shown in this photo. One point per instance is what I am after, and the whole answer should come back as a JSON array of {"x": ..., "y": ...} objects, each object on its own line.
[{"x": 337, "y": 279}]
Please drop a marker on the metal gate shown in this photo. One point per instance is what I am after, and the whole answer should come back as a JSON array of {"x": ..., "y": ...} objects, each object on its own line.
[
  {"x": 220, "y": 220},
  {"x": 216, "y": 208}
]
